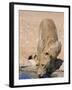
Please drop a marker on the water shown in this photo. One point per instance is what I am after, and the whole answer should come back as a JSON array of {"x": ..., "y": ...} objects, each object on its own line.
[
  {"x": 32, "y": 75},
  {"x": 27, "y": 75}
]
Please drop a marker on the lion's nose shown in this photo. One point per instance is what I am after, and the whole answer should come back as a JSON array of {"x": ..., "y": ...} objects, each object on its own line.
[{"x": 40, "y": 76}]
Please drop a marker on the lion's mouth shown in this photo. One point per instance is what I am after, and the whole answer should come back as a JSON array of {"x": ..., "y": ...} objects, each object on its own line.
[{"x": 40, "y": 76}]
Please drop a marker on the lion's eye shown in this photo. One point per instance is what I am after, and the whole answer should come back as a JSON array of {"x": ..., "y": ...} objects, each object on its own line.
[
  {"x": 46, "y": 53},
  {"x": 37, "y": 64},
  {"x": 35, "y": 56},
  {"x": 42, "y": 64}
]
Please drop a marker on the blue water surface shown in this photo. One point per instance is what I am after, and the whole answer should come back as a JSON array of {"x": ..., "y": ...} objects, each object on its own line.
[{"x": 24, "y": 76}]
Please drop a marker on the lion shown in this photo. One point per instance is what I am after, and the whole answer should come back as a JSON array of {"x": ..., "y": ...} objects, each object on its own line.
[{"x": 48, "y": 47}]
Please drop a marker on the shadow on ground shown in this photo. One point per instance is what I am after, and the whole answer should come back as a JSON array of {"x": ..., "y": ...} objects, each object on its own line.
[{"x": 54, "y": 65}]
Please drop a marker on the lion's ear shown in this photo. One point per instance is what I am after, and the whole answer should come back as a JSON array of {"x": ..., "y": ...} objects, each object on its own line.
[
  {"x": 55, "y": 49},
  {"x": 30, "y": 57}
]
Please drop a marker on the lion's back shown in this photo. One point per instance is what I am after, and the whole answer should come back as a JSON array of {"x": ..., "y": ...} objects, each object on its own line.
[{"x": 48, "y": 31}]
